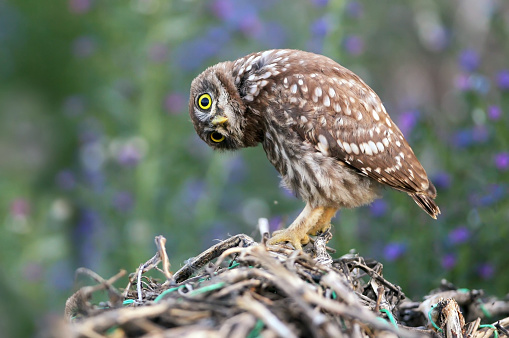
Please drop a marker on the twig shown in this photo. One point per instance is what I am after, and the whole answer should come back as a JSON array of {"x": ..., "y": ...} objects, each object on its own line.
[
  {"x": 272, "y": 291},
  {"x": 249, "y": 304},
  {"x": 161, "y": 249},
  {"x": 208, "y": 255}
]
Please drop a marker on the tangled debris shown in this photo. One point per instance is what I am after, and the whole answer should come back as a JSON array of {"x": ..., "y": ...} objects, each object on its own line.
[{"x": 241, "y": 288}]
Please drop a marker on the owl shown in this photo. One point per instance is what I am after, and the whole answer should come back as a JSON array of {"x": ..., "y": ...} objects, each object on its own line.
[{"x": 324, "y": 129}]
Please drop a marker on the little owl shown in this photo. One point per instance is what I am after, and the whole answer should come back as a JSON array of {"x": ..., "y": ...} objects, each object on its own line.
[{"x": 325, "y": 131}]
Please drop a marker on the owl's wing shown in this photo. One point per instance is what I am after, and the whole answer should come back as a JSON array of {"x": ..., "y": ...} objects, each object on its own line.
[{"x": 344, "y": 118}]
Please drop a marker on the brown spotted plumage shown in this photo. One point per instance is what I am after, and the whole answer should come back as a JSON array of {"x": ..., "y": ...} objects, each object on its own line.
[{"x": 324, "y": 129}]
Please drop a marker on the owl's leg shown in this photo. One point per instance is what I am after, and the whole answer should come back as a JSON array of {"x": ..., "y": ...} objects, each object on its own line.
[
  {"x": 310, "y": 222},
  {"x": 324, "y": 222}
]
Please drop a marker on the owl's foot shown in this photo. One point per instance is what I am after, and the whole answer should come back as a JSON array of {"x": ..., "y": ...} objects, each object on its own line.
[
  {"x": 311, "y": 221},
  {"x": 295, "y": 238}
]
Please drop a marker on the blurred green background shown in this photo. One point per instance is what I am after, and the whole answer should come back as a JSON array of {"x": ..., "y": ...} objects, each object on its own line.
[{"x": 98, "y": 154}]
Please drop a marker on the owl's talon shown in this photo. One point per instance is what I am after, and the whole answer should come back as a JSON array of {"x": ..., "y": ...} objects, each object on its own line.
[
  {"x": 288, "y": 235},
  {"x": 319, "y": 230}
]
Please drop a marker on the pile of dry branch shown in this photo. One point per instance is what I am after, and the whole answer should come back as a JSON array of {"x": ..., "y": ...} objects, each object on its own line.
[{"x": 240, "y": 288}]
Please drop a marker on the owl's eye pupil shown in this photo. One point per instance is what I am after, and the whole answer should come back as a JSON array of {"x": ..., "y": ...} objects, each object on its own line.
[
  {"x": 216, "y": 137},
  {"x": 205, "y": 101}
]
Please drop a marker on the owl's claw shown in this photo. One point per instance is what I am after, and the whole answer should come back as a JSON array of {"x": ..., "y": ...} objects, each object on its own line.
[
  {"x": 311, "y": 221},
  {"x": 295, "y": 238},
  {"x": 320, "y": 229}
]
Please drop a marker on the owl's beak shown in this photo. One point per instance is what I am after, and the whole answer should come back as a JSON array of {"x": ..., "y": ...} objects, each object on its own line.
[{"x": 219, "y": 120}]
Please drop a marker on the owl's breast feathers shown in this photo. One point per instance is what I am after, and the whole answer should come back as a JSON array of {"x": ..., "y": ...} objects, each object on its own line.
[{"x": 334, "y": 111}]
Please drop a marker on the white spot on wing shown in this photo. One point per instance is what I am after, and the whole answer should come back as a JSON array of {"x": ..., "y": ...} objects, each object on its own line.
[
  {"x": 323, "y": 145},
  {"x": 326, "y": 101},
  {"x": 347, "y": 147},
  {"x": 265, "y": 75},
  {"x": 367, "y": 149},
  {"x": 388, "y": 121},
  {"x": 373, "y": 147},
  {"x": 355, "y": 149},
  {"x": 375, "y": 115}
]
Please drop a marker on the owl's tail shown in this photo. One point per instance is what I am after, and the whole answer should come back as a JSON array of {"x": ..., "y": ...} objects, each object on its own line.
[{"x": 426, "y": 201}]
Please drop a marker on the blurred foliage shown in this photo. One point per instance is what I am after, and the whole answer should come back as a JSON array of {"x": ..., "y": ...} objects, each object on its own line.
[{"x": 98, "y": 155}]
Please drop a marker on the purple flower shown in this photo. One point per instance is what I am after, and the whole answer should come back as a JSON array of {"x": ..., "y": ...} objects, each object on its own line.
[
  {"x": 378, "y": 208},
  {"x": 223, "y": 9},
  {"x": 276, "y": 223},
  {"x": 20, "y": 208},
  {"x": 238, "y": 15},
  {"x": 251, "y": 25},
  {"x": 129, "y": 155},
  {"x": 193, "y": 190},
  {"x": 479, "y": 83},
  {"x": 459, "y": 235},
  {"x": 476, "y": 82},
  {"x": 394, "y": 250},
  {"x": 65, "y": 180},
  {"x": 158, "y": 52},
  {"x": 503, "y": 79},
  {"x": 315, "y": 45},
  {"x": 354, "y": 9},
  {"x": 496, "y": 192},
  {"x": 194, "y": 53},
  {"x": 449, "y": 261},
  {"x": 87, "y": 235},
  {"x": 60, "y": 274},
  {"x": 462, "y": 82},
  {"x": 74, "y": 105},
  {"x": 175, "y": 103},
  {"x": 494, "y": 113},
  {"x": 354, "y": 44},
  {"x": 442, "y": 180},
  {"x": 320, "y": 27},
  {"x": 480, "y": 134},
  {"x": 272, "y": 35},
  {"x": 92, "y": 156},
  {"x": 469, "y": 60},
  {"x": 502, "y": 160},
  {"x": 123, "y": 201},
  {"x": 95, "y": 179},
  {"x": 33, "y": 272},
  {"x": 84, "y": 46},
  {"x": 238, "y": 169},
  {"x": 320, "y": 3},
  {"x": 79, "y": 6},
  {"x": 467, "y": 137},
  {"x": 407, "y": 121},
  {"x": 486, "y": 271},
  {"x": 462, "y": 138},
  {"x": 436, "y": 37}
]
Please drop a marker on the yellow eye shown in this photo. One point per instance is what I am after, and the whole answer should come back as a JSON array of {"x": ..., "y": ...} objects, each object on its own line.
[
  {"x": 217, "y": 137},
  {"x": 204, "y": 101}
]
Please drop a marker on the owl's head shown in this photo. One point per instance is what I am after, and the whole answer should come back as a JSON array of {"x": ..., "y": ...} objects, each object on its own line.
[{"x": 218, "y": 112}]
